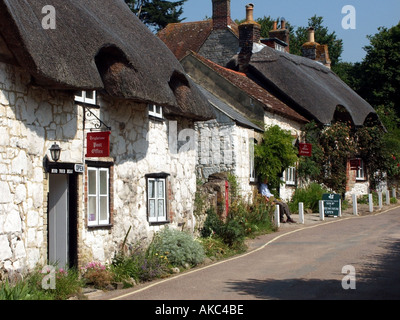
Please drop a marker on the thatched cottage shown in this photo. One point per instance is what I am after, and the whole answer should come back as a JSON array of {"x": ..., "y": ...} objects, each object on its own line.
[
  {"x": 251, "y": 103},
  {"x": 96, "y": 84},
  {"x": 304, "y": 84}
]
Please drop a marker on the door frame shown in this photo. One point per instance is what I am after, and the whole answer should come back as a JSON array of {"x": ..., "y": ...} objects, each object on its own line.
[{"x": 72, "y": 173}]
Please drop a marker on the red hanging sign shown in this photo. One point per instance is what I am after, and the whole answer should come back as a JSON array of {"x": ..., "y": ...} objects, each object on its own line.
[
  {"x": 305, "y": 149},
  {"x": 98, "y": 144}
]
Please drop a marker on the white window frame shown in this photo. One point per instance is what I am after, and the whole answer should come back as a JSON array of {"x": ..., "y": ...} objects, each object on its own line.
[
  {"x": 156, "y": 198},
  {"x": 360, "y": 174},
  {"x": 252, "y": 168},
  {"x": 98, "y": 196},
  {"x": 279, "y": 47},
  {"x": 290, "y": 176},
  {"x": 153, "y": 112},
  {"x": 84, "y": 97}
]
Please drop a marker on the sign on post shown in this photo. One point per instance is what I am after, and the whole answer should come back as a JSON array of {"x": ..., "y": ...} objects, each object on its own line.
[{"x": 332, "y": 205}]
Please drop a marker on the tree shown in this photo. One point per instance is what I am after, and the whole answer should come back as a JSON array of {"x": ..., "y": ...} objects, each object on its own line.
[
  {"x": 377, "y": 80},
  {"x": 157, "y": 14},
  {"x": 274, "y": 155},
  {"x": 380, "y": 70}
]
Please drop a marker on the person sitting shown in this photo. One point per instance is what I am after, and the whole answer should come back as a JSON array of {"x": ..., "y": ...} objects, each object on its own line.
[{"x": 283, "y": 207}]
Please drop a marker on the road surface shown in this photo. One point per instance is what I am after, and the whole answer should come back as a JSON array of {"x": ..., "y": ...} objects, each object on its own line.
[{"x": 317, "y": 262}]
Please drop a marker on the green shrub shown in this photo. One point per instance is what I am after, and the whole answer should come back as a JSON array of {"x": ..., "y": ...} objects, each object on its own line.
[
  {"x": 18, "y": 291},
  {"x": 141, "y": 266},
  {"x": 233, "y": 233},
  {"x": 97, "y": 274},
  {"x": 310, "y": 196},
  {"x": 67, "y": 284},
  {"x": 212, "y": 224},
  {"x": 179, "y": 247}
]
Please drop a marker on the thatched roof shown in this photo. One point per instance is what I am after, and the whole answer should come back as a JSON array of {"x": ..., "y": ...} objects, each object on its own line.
[
  {"x": 308, "y": 86},
  {"x": 99, "y": 45}
]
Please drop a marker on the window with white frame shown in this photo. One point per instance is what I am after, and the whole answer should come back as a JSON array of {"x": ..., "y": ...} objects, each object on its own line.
[
  {"x": 360, "y": 175},
  {"x": 98, "y": 203},
  {"x": 155, "y": 111},
  {"x": 86, "y": 97},
  {"x": 156, "y": 199},
  {"x": 252, "y": 142},
  {"x": 290, "y": 176}
]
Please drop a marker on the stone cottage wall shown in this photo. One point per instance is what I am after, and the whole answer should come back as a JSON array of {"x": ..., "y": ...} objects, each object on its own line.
[
  {"x": 225, "y": 147},
  {"x": 31, "y": 119}
]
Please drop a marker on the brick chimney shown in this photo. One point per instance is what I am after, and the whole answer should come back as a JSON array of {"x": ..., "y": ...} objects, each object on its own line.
[
  {"x": 221, "y": 14},
  {"x": 281, "y": 34},
  {"x": 315, "y": 51},
  {"x": 249, "y": 34}
]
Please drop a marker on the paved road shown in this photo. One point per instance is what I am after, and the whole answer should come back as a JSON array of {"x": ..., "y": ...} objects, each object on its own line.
[{"x": 297, "y": 263}]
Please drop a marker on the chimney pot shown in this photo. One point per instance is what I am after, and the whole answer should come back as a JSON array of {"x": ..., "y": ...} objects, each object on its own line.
[
  {"x": 275, "y": 25},
  {"x": 283, "y": 23},
  {"x": 311, "y": 35},
  {"x": 250, "y": 12}
]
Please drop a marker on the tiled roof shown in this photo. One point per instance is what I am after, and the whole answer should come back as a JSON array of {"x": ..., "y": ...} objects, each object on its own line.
[
  {"x": 228, "y": 110},
  {"x": 240, "y": 80},
  {"x": 189, "y": 36},
  {"x": 183, "y": 37}
]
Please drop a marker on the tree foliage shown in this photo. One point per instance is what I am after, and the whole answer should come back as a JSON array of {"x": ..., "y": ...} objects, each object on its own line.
[
  {"x": 274, "y": 154},
  {"x": 334, "y": 145},
  {"x": 157, "y": 13},
  {"x": 380, "y": 70}
]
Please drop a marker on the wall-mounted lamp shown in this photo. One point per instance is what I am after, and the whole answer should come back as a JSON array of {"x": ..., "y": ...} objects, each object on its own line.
[{"x": 55, "y": 152}]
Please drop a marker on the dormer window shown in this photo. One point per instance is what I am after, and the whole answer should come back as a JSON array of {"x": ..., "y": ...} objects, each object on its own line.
[
  {"x": 155, "y": 111},
  {"x": 88, "y": 97}
]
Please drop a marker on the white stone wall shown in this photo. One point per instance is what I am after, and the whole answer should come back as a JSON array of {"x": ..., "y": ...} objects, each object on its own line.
[
  {"x": 242, "y": 140},
  {"x": 31, "y": 120},
  {"x": 229, "y": 151}
]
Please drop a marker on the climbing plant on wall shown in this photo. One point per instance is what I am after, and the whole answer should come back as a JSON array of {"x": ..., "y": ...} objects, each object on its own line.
[
  {"x": 274, "y": 154},
  {"x": 335, "y": 144}
]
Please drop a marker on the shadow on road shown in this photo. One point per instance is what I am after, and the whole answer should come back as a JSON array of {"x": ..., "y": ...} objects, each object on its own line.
[{"x": 376, "y": 279}]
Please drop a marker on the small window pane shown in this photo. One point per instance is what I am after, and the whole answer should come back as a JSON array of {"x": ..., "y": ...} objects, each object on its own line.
[
  {"x": 90, "y": 95},
  {"x": 161, "y": 210},
  {"x": 152, "y": 209},
  {"x": 160, "y": 193},
  {"x": 92, "y": 181},
  {"x": 103, "y": 182},
  {"x": 103, "y": 208},
  {"x": 92, "y": 208},
  {"x": 151, "y": 189}
]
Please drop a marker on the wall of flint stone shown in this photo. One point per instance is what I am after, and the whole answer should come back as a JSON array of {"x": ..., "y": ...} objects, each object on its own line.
[
  {"x": 225, "y": 147},
  {"x": 31, "y": 120}
]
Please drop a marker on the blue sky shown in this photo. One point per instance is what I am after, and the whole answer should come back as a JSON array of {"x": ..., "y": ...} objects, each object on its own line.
[{"x": 369, "y": 14}]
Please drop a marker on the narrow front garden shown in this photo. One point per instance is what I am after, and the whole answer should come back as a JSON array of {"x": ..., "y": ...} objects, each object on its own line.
[{"x": 171, "y": 251}]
